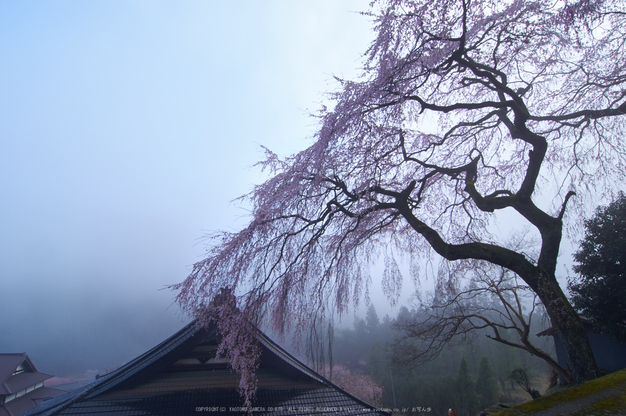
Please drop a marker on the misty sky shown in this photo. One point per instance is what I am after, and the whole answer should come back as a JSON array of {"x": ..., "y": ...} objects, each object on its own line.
[{"x": 126, "y": 130}]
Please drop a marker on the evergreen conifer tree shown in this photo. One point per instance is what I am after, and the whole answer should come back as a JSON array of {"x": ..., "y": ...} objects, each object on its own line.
[
  {"x": 486, "y": 384},
  {"x": 466, "y": 399},
  {"x": 599, "y": 290}
]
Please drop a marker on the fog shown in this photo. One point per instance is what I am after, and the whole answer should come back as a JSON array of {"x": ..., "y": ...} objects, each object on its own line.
[{"x": 126, "y": 130}]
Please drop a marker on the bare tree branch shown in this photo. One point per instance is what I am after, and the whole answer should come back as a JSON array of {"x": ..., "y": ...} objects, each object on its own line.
[{"x": 492, "y": 303}]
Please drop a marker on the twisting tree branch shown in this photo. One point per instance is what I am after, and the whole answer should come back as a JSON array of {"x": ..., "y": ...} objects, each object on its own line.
[{"x": 496, "y": 304}]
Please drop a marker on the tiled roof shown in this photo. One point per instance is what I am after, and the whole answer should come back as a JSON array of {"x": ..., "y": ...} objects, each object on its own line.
[
  {"x": 28, "y": 401},
  {"x": 303, "y": 401},
  {"x": 8, "y": 364},
  {"x": 23, "y": 380},
  {"x": 180, "y": 377},
  {"x": 27, "y": 378}
]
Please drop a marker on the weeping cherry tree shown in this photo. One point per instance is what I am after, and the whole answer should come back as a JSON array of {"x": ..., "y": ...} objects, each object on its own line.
[{"x": 464, "y": 109}]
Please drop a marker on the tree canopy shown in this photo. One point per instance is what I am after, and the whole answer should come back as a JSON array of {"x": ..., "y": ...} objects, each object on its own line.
[
  {"x": 599, "y": 290},
  {"x": 464, "y": 108}
]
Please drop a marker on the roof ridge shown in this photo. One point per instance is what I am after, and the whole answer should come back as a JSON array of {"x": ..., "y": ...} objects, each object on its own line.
[{"x": 100, "y": 384}]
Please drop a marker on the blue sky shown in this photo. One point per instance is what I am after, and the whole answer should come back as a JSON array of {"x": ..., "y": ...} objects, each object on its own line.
[{"x": 126, "y": 130}]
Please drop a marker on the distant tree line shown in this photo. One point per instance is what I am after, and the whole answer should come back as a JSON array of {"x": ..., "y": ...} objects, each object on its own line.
[{"x": 469, "y": 374}]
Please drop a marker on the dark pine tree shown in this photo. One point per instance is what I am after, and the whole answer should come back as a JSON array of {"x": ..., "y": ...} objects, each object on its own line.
[
  {"x": 466, "y": 399},
  {"x": 486, "y": 384},
  {"x": 599, "y": 290}
]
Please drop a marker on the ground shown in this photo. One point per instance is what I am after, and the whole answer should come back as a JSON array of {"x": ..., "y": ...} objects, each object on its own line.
[{"x": 602, "y": 396}]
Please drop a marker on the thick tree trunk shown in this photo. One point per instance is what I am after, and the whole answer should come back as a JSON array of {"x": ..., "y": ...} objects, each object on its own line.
[
  {"x": 568, "y": 325},
  {"x": 564, "y": 318},
  {"x": 540, "y": 277}
]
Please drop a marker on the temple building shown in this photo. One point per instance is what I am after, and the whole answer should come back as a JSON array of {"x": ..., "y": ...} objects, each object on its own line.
[
  {"x": 21, "y": 385},
  {"x": 182, "y": 376}
]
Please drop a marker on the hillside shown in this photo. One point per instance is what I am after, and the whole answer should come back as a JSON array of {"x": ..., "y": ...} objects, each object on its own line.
[{"x": 602, "y": 396}]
